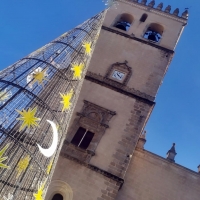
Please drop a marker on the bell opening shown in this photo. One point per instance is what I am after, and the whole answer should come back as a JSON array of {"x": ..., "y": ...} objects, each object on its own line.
[
  {"x": 123, "y": 25},
  {"x": 154, "y": 32}
]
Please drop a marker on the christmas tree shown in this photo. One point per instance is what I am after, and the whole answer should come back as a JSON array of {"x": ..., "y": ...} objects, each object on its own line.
[{"x": 37, "y": 97}]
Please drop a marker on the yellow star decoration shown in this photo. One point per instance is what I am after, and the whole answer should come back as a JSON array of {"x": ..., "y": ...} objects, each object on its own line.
[
  {"x": 28, "y": 118},
  {"x": 87, "y": 46},
  {"x": 39, "y": 76},
  {"x": 78, "y": 69},
  {"x": 4, "y": 95},
  {"x": 49, "y": 166},
  {"x": 66, "y": 98},
  {"x": 39, "y": 194},
  {"x": 22, "y": 165},
  {"x": 3, "y": 158}
]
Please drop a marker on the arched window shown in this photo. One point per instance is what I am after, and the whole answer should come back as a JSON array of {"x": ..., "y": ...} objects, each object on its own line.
[
  {"x": 57, "y": 197},
  {"x": 124, "y": 22},
  {"x": 143, "y": 17},
  {"x": 59, "y": 190},
  {"x": 154, "y": 32}
]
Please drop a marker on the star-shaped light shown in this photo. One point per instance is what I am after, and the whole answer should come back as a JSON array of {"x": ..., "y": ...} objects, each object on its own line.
[
  {"x": 22, "y": 165},
  {"x": 3, "y": 158},
  {"x": 40, "y": 192},
  {"x": 4, "y": 95},
  {"x": 49, "y": 166},
  {"x": 39, "y": 76},
  {"x": 28, "y": 118},
  {"x": 66, "y": 98},
  {"x": 10, "y": 197},
  {"x": 78, "y": 70},
  {"x": 87, "y": 46}
]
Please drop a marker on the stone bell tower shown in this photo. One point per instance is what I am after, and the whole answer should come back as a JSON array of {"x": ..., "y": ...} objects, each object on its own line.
[{"x": 134, "y": 49}]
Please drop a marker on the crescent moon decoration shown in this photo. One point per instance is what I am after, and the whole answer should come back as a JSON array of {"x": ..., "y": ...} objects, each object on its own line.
[
  {"x": 78, "y": 69},
  {"x": 51, "y": 150},
  {"x": 3, "y": 158}
]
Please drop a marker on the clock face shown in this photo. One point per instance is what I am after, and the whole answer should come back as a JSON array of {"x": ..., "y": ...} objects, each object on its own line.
[{"x": 118, "y": 75}]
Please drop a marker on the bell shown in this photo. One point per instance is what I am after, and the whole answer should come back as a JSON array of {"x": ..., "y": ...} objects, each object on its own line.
[
  {"x": 121, "y": 25},
  {"x": 152, "y": 37}
]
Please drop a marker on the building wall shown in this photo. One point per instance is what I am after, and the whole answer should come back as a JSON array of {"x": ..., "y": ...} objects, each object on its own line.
[
  {"x": 148, "y": 63},
  {"x": 151, "y": 177},
  {"x": 98, "y": 172},
  {"x": 173, "y": 26},
  {"x": 121, "y": 137},
  {"x": 85, "y": 182}
]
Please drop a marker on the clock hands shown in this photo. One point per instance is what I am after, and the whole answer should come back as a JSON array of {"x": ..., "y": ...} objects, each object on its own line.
[{"x": 120, "y": 75}]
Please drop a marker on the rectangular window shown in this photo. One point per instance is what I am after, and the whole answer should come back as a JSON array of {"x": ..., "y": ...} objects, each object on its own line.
[{"x": 82, "y": 138}]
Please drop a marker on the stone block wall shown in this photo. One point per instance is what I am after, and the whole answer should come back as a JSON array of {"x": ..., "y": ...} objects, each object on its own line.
[
  {"x": 151, "y": 177},
  {"x": 129, "y": 138},
  {"x": 87, "y": 182}
]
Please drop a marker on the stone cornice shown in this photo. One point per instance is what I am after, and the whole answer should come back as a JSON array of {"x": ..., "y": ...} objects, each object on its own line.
[
  {"x": 147, "y": 42},
  {"x": 96, "y": 169},
  {"x": 156, "y": 11},
  {"x": 131, "y": 92}
]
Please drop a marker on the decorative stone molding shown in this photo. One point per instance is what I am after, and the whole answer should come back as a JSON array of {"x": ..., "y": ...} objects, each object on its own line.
[
  {"x": 96, "y": 169},
  {"x": 96, "y": 113},
  {"x": 99, "y": 79},
  {"x": 60, "y": 187},
  {"x": 121, "y": 67},
  {"x": 93, "y": 118},
  {"x": 132, "y": 37},
  {"x": 156, "y": 11}
]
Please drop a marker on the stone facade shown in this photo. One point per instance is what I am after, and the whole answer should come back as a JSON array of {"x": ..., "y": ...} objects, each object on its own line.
[
  {"x": 87, "y": 181},
  {"x": 115, "y": 109},
  {"x": 152, "y": 177}
]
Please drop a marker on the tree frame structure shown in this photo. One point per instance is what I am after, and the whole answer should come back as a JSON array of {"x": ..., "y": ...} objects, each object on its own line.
[{"x": 37, "y": 97}]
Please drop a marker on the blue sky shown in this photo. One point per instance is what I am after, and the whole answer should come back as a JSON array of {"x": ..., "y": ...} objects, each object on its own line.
[{"x": 26, "y": 25}]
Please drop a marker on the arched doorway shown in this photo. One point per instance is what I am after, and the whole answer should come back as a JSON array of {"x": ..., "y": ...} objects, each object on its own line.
[
  {"x": 59, "y": 190},
  {"x": 57, "y": 196}
]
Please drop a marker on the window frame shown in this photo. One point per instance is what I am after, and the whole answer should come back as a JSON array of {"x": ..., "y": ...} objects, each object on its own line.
[
  {"x": 124, "y": 18},
  {"x": 81, "y": 141},
  {"x": 144, "y": 17}
]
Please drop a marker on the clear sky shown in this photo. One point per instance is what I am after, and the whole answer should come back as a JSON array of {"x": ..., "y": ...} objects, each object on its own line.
[{"x": 26, "y": 25}]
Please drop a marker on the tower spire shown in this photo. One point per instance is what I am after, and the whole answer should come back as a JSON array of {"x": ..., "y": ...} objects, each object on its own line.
[{"x": 37, "y": 97}]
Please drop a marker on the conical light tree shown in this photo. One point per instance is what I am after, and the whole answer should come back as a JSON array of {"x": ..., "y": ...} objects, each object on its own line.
[{"x": 37, "y": 97}]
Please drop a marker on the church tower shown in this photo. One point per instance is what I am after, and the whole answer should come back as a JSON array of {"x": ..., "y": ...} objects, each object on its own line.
[{"x": 133, "y": 52}]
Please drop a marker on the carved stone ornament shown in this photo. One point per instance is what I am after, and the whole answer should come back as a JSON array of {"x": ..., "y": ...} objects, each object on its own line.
[
  {"x": 121, "y": 67},
  {"x": 96, "y": 113},
  {"x": 93, "y": 118}
]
